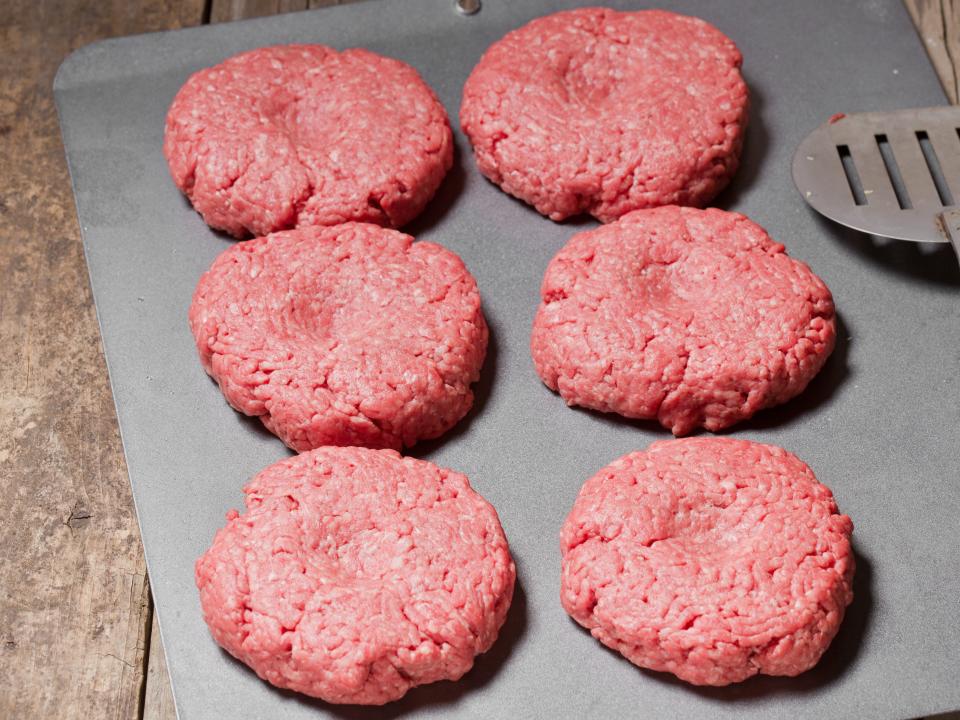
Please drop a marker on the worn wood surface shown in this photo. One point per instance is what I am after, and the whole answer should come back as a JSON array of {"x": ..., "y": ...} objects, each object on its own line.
[
  {"x": 938, "y": 22},
  {"x": 224, "y": 10},
  {"x": 77, "y": 634},
  {"x": 74, "y": 603},
  {"x": 158, "y": 698}
]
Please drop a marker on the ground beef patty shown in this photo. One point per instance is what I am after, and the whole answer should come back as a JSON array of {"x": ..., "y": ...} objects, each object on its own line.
[
  {"x": 297, "y": 135},
  {"x": 605, "y": 112},
  {"x": 344, "y": 335},
  {"x": 690, "y": 317},
  {"x": 710, "y": 558},
  {"x": 355, "y": 575}
]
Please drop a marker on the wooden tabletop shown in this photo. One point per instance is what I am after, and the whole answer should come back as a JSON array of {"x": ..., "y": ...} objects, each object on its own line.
[{"x": 77, "y": 635}]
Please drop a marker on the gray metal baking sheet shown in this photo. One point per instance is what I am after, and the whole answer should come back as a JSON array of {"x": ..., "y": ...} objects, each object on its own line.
[{"x": 880, "y": 425}]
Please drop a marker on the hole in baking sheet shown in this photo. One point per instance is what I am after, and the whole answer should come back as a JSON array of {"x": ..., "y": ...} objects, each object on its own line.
[
  {"x": 933, "y": 165},
  {"x": 468, "y": 7},
  {"x": 893, "y": 172},
  {"x": 853, "y": 177}
]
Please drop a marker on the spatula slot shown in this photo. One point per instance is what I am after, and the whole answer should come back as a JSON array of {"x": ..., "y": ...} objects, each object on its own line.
[
  {"x": 893, "y": 172},
  {"x": 936, "y": 171},
  {"x": 853, "y": 177}
]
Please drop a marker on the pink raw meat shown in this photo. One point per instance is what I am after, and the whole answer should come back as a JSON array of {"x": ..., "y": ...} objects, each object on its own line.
[
  {"x": 690, "y": 317},
  {"x": 296, "y": 135},
  {"x": 355, "y": 575},
  {"x": 603, "y": 112},
  {"x": 344, "y": 335},
  {"x": 710, "y": 558}
]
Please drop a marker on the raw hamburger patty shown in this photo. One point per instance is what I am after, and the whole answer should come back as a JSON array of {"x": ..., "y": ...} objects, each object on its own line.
[
  {"x": 710, "y": 558},
  {"x": 297, "y": 135},
  {"x": 690, "y": 317},
  {"x": 355, "y": 575},
  {"x": 345, "y": 335},
  {"x": 605, "y": 112}
]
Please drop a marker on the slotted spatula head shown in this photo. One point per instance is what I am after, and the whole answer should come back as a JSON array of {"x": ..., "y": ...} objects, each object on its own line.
[{"x": 894, "y": 174}]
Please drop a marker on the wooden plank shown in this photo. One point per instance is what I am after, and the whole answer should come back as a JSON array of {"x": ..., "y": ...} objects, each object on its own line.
[
  {"x": 327, "y": 3},
  {"x": 951, "y": 23},
  {"x": 224, "y": 10},
  {"x": 938, "y": 22},
  {"x": 158, "y": 700},
  {"x": 74, "y": 605}
]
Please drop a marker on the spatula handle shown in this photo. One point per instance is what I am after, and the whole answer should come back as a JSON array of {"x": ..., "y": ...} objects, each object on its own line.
[{"x": 949, "y": 221}]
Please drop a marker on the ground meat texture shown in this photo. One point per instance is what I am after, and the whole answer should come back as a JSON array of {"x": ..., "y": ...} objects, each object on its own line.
[
  {"x": 345, "y": 335},
  {"x": 690, "y": 317},
  {"x": 355, "y": 575},
  {"x": 603, "y": 112},
  {"x": 297, "y": 135},
  {"x": 710, "y": 558}
]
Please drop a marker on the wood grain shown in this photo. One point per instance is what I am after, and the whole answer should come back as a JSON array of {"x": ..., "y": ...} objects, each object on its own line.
[
  {"x": 225, "y": 10},
  {"x": 74, "y": 603},
  {"x": 938, "y": 22},
  {"x": 158, "y": 698}
]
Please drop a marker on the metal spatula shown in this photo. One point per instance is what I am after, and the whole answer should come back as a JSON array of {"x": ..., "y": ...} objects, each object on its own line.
[{"x": 893, "y": 174}]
